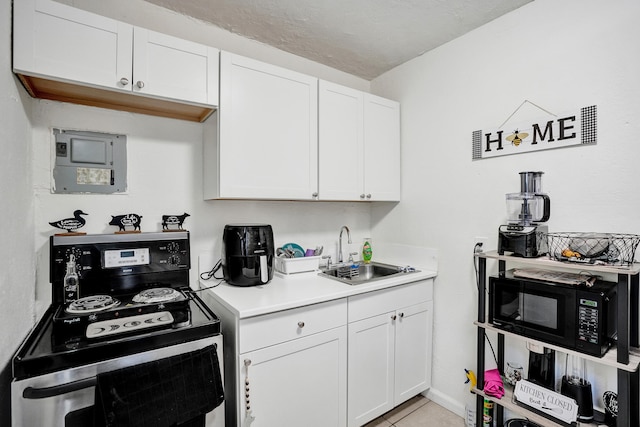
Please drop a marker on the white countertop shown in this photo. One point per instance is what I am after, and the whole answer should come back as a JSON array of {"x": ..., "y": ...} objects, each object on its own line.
[{"x": 284, "y": 292}]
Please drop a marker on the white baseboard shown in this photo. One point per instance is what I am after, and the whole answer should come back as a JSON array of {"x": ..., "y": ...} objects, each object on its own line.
[{"x": 446, "y": 402}]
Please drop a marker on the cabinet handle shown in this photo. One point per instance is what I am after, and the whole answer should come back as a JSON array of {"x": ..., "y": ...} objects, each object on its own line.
[
  {"x": 249, "y": 417},
  {"x": 124, "y": 81},
  {"x": 140, "y": 84},
  {"x": 369, "y": 196},
  {"x": 301, "y": 324},
  {"x": 393, "y": 317},
  {"x": 401, "y": 315}
]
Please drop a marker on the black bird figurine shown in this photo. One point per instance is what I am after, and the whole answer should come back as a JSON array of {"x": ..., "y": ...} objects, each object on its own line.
[{"x": 71, "y": 224}]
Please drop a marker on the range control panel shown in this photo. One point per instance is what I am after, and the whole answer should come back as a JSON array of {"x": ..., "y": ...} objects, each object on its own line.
[{"x": 100, "y": 256}]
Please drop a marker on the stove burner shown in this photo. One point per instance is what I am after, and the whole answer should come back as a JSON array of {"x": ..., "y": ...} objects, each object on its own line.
[
  {"x": 92, "y": 304},
  {"x": 156, "y": 295}
]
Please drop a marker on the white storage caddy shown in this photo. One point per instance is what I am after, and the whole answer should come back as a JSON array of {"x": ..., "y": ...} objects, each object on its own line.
[{"x": 297, "y": 265}]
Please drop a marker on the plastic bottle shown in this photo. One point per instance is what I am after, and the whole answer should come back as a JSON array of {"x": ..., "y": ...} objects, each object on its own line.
[
  {"x": 487, "y": 414},
  {"x": 367, "y": 253},
  {"x": 71, "y": 281}
]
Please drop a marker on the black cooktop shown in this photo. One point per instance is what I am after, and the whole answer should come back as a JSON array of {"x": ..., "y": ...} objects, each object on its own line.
[{"x": 41, "y": 354}]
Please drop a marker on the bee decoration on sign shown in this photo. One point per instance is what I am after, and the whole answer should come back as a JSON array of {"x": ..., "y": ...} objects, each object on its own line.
[{"x": 517, "y": 137}]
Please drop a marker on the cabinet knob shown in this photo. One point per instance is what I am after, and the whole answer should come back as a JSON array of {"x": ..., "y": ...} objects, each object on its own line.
[
  {"x": 393, "y": 317},
  {"x": 401, "y": 315},
  {"x": 362, "y": 196},
  {"x": 140, "y": 84},
  {"x": 124, "y": 81},
  {"x": 301, "y": 324},
  {"x": 369, "y": 196},
  {"x": 314, "y": 195}
]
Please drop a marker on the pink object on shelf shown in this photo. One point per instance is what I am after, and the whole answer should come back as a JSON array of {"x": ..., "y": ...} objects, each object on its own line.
[{"x": 493, "y": 385}]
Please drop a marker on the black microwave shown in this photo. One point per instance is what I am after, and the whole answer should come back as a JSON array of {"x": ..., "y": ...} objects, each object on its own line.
[{"x": 576, "y": 317}]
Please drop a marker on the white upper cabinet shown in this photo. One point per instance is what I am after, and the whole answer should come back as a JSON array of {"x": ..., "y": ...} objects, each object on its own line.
[
  {"x": 341, "y": 142},
  {"x": 68, "y": 54},
  {"x": 170, "y": 67},
  {"x": 57, "y": 41},
  {"x": 381, "y": 148},
  {"x": 359, "y": 145},
  {"x": 268, "y": 135}
]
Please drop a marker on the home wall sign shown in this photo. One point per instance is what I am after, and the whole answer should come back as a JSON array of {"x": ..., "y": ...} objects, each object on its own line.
[{"x": 575, "y": 128}]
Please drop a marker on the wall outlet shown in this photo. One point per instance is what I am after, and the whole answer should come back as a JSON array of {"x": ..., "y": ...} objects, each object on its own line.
[{"x": 481, "y": 243}]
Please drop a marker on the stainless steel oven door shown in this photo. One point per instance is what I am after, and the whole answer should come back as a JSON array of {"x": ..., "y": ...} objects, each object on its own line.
[{"x": 66, "y": 398}]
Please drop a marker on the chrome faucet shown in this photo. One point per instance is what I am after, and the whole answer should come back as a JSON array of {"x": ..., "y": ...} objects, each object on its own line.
[{"x": 344, "y": 227}]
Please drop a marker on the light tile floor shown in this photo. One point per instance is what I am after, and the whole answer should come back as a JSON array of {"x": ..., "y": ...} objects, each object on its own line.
[{"x": 418, "y": 412}]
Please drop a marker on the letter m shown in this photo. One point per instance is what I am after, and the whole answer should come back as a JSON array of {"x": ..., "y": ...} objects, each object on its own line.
[{"x": 543, "y": 136}]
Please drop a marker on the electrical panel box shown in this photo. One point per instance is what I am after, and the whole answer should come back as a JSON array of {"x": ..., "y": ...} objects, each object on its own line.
[{"x": 89, "y": 162}]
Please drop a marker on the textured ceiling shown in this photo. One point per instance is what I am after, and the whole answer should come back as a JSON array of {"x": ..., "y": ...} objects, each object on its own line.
[{"x": 361, "y": 37}]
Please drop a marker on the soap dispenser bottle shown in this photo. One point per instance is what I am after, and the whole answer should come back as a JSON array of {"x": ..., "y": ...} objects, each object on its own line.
[
  {"x": 367, "y": 252},
  {"x": 71, "y": 281}
]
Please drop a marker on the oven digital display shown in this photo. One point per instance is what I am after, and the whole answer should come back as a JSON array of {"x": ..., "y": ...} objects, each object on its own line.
[{"x": 125, "y": 258}]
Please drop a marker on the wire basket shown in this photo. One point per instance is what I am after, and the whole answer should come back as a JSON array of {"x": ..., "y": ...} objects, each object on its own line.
[
  {"x": 593, "y": 248},
  {"x": 348, "y": 272}
]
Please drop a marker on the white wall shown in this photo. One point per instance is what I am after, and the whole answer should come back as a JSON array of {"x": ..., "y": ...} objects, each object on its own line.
[
  {"x": 559, "y": 55},
  {"x": 17, "y": 260}
]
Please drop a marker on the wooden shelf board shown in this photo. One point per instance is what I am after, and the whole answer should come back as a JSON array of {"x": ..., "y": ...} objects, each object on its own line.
[
  {"x": 609, "y": 359},
  {"x": 115, "y": 100},
  {"x": 508, "y": 402},
  {"x": 544, "y": 261}
]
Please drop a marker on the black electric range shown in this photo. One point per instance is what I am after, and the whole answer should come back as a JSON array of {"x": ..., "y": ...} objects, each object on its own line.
[{"x": 133, "y": 296}]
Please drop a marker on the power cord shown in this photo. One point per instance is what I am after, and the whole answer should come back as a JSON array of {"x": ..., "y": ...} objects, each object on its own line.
[
  {"x": 477, "y": 249},
  {"x": 211, "y": 274},
  {"x": 207, "y": 275}
]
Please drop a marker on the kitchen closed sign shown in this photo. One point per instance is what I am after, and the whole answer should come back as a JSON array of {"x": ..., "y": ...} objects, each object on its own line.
[
  {"x": 570, "y": 129},
  {"x": 546, "y": 401}
]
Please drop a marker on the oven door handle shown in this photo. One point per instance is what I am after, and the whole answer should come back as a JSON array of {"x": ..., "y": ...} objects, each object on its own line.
[{"x": 57, "y": 390}]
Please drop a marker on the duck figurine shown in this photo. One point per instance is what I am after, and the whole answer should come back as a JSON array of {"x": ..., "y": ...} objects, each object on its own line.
[{"x": 71, "y": 224}]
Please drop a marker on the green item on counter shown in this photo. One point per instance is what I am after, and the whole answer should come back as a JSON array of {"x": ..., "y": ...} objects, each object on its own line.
[
  {"x": 487, "y": 413},
  {"x": 367, "y": 253}
]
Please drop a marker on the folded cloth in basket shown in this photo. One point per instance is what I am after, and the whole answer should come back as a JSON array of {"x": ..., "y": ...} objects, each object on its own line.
[
  {"x": 493, "y": 385},
  {"x": 162, "y": 393}
]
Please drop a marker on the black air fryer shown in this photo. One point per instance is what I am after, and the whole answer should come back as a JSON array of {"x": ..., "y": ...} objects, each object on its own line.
[{"x": 247, "y": 254}]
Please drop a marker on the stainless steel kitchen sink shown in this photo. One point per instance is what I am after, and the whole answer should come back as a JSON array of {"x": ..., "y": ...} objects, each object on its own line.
[{"x": 365, "y": 273}]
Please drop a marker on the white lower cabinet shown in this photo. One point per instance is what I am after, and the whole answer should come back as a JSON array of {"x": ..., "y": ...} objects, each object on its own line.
[
  {"x": 332, "y": 364},
  {"x": 297, "y": 383},
  {"x": 390, "y": 335},
  {"x": 292, "y": 368}
]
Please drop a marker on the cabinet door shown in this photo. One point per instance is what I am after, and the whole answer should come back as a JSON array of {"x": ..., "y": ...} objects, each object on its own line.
[
  {"x": 340, "y": 142},
  {"x": 268, "y": 131},
  {"x": 371, "y": 364},
  {"x": 413, "y": 351},
  {"x": 302, "y": 382},
  {"x": 55, "y": 40},
  {"x": 169, "y": 67},
  {"x": 381, "y": 148}
]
